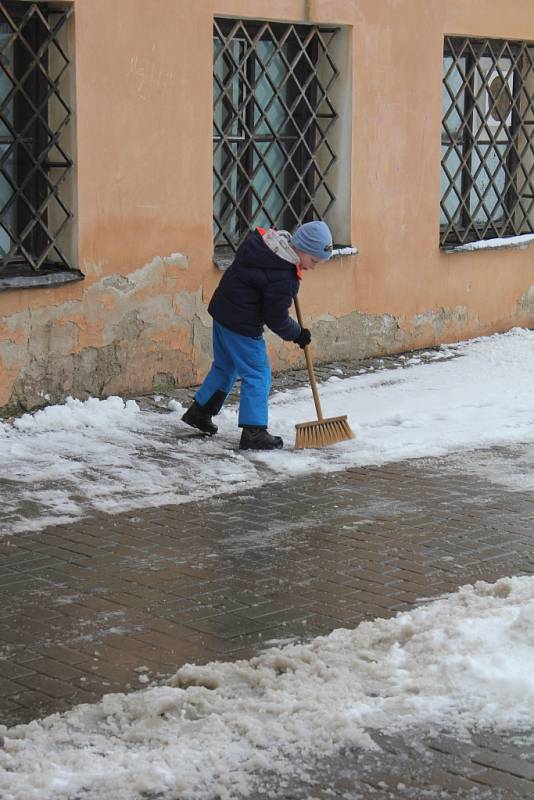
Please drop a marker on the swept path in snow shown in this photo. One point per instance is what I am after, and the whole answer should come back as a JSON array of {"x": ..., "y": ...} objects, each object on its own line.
[{"x": 65, "y": 461}]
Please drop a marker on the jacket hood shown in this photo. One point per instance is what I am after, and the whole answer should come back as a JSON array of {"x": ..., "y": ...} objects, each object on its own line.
[{"x": 255, "y": 253}]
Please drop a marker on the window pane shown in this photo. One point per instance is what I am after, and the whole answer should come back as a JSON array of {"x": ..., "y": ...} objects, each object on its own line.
[
  {"x": 270, "y": 93},
  {"x": 486, "y": 200},
  {"x": 450, "y": 204},
  {"x": 34, "y": 120},
  {"x": 453, "y": 95},
  {"x": 486, "y": 157},
  {"x": 225, "y": 192},
  {"x": 272, "y": 116},
  {"x": 269, "y": 161},
  {"x": 7, "y": 160}
]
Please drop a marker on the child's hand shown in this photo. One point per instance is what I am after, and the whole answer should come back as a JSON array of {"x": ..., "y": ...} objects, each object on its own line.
[{"x": 304, "y": 338}]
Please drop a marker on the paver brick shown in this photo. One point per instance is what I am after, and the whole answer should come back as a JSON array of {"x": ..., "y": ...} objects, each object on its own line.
[
  {"x": 84, "y": 605},
  {"x": 64, "y": 655}
]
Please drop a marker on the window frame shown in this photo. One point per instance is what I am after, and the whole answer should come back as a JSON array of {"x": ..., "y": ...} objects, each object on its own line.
[
  {"x": 468, "y": 144},
  {"x": 296, "y": 46},
  {"x": 42, "y": 164}
]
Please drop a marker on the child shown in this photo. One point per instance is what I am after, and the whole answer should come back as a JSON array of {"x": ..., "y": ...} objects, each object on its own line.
[{"x": 256, "y": 290}]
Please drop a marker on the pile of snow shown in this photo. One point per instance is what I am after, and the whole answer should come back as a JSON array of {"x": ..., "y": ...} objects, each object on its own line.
[
  {"x": 66, "y": 461},
  {"x": 459, "y": 663},
  {"x": 76, "y": 415}
]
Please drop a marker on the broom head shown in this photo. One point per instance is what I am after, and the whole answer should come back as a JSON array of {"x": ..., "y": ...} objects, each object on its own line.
[{"x": 321, "y": 433}]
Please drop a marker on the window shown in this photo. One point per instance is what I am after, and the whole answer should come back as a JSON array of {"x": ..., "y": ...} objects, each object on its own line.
[
  {"x": 487, "y": 144},
  {"x": 35, "y": 166},
  {"x": 274, "y": 117}
]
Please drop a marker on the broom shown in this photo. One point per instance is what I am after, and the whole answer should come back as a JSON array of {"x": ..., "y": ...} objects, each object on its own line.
[{"x": 321, "y": 432}]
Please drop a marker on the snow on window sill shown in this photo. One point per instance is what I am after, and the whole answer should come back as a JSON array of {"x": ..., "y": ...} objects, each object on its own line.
[
  {"x": 518, "y": 242},
  {"x": 345, "y": 250}
]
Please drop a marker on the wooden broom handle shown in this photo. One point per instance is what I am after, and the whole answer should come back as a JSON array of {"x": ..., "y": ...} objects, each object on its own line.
[{"x": 309, "y": 364}]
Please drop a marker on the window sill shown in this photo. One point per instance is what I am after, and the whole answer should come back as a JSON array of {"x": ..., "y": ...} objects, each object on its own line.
[
  {"x": 222, "y": 262},
  {"x": 515, "y": 242},
  {"x": 39, "y": 280},
  {"x": 345, "y": 250}
]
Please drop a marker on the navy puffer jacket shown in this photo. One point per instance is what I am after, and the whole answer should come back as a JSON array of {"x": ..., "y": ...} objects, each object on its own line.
[{"x": 256, "y": 290}]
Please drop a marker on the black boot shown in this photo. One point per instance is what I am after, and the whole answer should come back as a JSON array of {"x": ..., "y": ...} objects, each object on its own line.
[
  {"x": 200, "y": 418},
  {"x": 254, "y": 438},
  {"x": 215, "y": 403}
]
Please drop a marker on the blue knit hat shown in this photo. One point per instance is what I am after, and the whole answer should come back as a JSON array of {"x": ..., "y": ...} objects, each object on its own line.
[{"x": 315, "y": 239}]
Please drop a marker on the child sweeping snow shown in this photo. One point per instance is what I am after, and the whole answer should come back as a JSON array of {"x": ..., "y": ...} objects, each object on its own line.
[{"x": 256, "y": 290}]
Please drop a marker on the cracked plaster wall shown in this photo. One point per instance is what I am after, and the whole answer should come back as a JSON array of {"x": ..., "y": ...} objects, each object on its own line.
[
  {"x": 127, "y": 333},
  {"x": 358, "y": 335},
  {"x": 527, "y": 304},
  {"x": 140, "y": 333}
]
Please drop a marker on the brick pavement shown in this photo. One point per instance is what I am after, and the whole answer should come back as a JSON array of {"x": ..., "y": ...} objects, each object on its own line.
[{"x": 115, "y": 603}]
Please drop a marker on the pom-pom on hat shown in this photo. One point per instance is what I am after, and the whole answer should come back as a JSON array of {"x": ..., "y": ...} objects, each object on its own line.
[{"x": 315, "y": 239}]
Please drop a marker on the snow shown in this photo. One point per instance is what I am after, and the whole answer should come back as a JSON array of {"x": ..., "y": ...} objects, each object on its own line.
[
  {"x": 344, "y": 251},
  {"x": 459, "y": 663},
  {"x": 67, "y": 461},
  {"x": 489, "y": 244}
]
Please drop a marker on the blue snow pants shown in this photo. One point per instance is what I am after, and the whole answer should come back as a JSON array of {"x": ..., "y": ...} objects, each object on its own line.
[{"x": 236, "y": 356}]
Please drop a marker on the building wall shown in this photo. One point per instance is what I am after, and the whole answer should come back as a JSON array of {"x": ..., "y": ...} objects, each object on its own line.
[{"x": 143, "y": 187}]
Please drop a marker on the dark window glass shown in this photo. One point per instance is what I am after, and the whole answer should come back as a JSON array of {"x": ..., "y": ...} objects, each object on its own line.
[
  {"x": 487, "y": 140},
  {"x": 273, "y": 117},
  {"x": 34, "y": 114}
]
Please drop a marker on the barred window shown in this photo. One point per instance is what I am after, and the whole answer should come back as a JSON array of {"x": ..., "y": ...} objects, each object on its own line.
[
  {"x": 274, "y": 113},
  {"x": 35, "y": 164},
  {"x": 487, "y": 145}
]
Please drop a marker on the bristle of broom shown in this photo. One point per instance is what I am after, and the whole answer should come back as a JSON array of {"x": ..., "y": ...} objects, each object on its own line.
[{"x": 322, "y": 433}]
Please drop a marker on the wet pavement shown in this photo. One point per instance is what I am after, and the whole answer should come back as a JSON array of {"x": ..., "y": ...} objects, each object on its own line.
[{"x": 119, "y": 602}]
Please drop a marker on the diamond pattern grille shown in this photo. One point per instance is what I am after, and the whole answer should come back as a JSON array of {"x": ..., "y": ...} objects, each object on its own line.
[
  {"x": 272, "y": 123},
  {"x": 34, "y": 114},
  {"x": 487, "y": 144}
]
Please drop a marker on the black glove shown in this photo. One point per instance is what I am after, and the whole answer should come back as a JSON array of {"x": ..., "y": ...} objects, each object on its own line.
[{"x": 304, "y": 337}]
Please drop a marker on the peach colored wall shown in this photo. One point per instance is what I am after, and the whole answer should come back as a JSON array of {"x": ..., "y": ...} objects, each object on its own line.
[{"x": 144, "y": 201}]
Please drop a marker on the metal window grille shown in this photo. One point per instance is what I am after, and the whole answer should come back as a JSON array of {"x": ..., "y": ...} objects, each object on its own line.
[
  {"x": 273, "y": 117},
  {"x": 487, "y": 144},
  {"x": 33, "y": 116}
]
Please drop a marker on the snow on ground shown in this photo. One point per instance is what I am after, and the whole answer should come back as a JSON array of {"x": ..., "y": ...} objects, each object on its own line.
[
  {"x": 459, "y": 663},
  {"x": 65, "y": 461}
]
